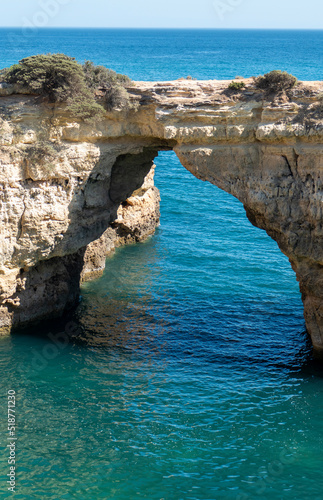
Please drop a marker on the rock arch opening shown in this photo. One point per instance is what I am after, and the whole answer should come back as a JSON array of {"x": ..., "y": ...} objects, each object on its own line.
[{"x": 207, "y": 273}]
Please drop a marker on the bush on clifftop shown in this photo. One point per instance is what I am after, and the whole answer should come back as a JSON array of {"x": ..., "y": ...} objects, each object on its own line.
[
  {"x": 55, "y": 76},
  {"x": 100, "y": 76},
  {"x": 111, "y": 83},
  {"x": 62, "y": 79},
  {"x": 237, "y": 86},
  {"x": 276, "y": 81}
]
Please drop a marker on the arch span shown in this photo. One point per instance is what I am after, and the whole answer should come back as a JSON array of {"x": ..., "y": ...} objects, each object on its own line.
[{"x": 56, "y": 199}]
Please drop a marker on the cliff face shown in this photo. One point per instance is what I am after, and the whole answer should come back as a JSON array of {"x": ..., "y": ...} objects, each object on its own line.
[
  {"x": 64, "y": 184},
  {"x": 137, "y": 218}
]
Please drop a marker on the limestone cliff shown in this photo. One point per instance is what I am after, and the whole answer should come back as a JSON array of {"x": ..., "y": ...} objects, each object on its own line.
[
  {"x": 137, "y": 218},
  {"x": 64, "y": 183}
]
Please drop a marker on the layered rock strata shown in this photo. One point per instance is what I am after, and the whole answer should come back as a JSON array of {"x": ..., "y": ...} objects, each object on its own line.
[{"x": 64, "y": 183}]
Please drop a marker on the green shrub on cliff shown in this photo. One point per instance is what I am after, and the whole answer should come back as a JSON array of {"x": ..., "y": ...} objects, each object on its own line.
[
  {"x": 56, "y": 76},
  {"x": 61, "y": 78},
  {"x": 117, "y": 97},
  {"x": 276, "y": 81},
  {"x": 84, "y": 106},
  {"x": 237, "y": 86},
  {"x": 111, "y": 83},
  {"x": 100, "y": 76}
]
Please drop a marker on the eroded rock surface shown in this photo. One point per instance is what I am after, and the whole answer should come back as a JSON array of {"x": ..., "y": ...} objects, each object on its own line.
[
  {"x": 65, "y": 184},
  {"x": 137, "y": 218}
]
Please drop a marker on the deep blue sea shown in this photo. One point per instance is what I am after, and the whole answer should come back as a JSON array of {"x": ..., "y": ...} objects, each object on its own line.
[{"x": 193, "y": 377}]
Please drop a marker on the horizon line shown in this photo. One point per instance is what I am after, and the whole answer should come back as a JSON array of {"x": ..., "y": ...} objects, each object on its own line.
[{"x": 160, "y": 28}]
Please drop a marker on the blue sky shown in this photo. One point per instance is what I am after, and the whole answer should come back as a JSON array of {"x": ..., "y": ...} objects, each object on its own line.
[{"x": 164, "y": 13}]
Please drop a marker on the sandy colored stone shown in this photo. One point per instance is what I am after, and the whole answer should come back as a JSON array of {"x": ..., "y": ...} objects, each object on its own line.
[{"x": 266, "y": 150}]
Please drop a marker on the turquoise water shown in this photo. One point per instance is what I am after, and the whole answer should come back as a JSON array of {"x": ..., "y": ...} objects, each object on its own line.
[
  {"x": 170, "y": 54},
  {"x": 188, "y": 375}
]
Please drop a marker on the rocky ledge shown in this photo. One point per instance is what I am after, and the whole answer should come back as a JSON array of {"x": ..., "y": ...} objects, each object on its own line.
[{"x": 70, "y": 191}]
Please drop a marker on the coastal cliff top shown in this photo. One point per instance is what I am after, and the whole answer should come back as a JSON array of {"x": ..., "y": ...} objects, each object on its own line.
[
  {"x": 208, "y": 92},
  {"x": 184, "y": 111},
  {"x": 91, "y": 92}
]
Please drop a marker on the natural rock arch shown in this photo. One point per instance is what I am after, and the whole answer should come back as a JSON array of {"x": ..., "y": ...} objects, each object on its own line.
[{"x": 263, "y": 152}]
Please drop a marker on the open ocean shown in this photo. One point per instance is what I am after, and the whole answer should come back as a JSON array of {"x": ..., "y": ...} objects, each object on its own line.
[{"x": 193, "y": 379}]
